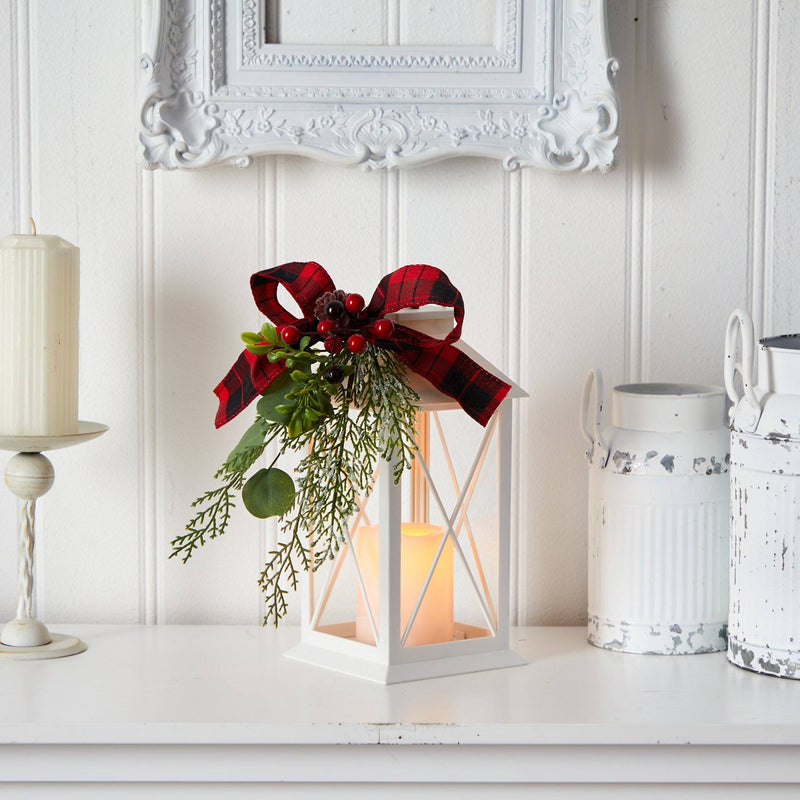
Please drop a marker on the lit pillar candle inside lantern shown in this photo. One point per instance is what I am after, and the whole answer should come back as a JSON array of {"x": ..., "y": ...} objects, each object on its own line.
[
  {"x": 419, "y": 545},
  {"x": 39, "y": 295}
]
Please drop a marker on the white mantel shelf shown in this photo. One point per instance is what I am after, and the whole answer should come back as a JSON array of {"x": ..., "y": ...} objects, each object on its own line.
[{"x": 215, "y": 704}]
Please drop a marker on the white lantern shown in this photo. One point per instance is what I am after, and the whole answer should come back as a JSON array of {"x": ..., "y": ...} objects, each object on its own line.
[{"x": 420, "y": 587}]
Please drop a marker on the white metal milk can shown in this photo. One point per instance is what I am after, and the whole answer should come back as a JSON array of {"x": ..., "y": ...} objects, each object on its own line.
[
  {"x": 658, "y": 517},
  {"x": 765, "y": 500}
]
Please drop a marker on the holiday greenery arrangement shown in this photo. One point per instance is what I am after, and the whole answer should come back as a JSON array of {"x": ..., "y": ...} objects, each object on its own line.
[{"x": 332, "y": 384}]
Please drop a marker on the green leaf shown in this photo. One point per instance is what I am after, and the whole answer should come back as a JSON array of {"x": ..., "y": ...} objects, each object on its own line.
[
  {"x": 295, "y": 427},
  {"x": 275, "y": 396},
  {"x": 253, "y": 437},
  {"x": 304, "y": 342},
  {"x": 248, "y": 337},
  {"x": 299, "y": 376},
  {"x": 269, "y": 333},
  {"x": 259, "y": 349},
  {"x": 269, "y": 493}
]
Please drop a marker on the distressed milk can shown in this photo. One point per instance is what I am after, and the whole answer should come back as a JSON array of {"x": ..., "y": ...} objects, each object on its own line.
[
  {"x": 765, "y": 500},
  {"x": 658, "y": 517}
]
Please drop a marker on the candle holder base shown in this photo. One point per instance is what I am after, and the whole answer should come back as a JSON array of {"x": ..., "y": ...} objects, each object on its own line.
[
  {"x": 29, "y": 475},
  {"x": 25, "y": 633},
  {"x": 60, "y": 645}
]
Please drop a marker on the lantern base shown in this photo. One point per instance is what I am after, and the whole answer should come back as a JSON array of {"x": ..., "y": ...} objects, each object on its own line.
[{"x": 401, "y": 673}]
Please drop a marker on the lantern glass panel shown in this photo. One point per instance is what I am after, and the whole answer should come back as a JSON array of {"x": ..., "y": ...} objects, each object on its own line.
[
  {"x": 449, "y": 543},
  {"x": 460, "y": 486},
  {"x": 342, "y": 596}
]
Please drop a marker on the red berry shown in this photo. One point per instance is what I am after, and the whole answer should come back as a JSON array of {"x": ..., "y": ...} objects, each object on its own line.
[
  {"x": 356, "y": 343},
  {"x": 383, "y": 328},
  {"x": 354, "y": 303},
  {"x": 333, "y": 344},
  {"x": 290, "y": 334},
  {"x": 325, "y": 326}
]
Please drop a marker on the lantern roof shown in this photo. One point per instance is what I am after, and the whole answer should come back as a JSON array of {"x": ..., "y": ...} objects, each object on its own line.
[{"x": 438, "y": 322}]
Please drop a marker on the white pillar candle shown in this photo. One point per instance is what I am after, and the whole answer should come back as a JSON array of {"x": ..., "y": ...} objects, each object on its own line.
[
  {"x": 420, "y": 543},
  {"x": 39, "y": 296}
]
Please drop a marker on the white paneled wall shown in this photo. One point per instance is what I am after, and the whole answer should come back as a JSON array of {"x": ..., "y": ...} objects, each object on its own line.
[{"x": 634, "y": 271}]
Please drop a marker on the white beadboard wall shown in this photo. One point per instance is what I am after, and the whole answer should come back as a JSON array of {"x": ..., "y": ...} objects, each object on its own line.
[{"x": 634, "y": 271}]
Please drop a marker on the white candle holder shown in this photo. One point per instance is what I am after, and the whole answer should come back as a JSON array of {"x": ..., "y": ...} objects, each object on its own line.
[{"x": 29, "y": 475}]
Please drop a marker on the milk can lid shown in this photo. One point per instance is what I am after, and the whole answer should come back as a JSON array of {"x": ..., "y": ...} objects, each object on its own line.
[{"x": 787, "y": 341}]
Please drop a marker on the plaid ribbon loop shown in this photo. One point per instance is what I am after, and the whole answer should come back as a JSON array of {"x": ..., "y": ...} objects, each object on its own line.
[{"x": 447, "y": 368}]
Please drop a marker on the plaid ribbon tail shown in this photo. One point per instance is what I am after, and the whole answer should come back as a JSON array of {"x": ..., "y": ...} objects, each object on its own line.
[
  {"x": 455, "y": 374},
  {"x": 246, "y": 380}
]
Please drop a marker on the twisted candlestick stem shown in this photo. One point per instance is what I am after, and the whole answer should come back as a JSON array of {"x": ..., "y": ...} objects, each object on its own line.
[
  {"x": 28, "y": 475},
  {"x": 27, "y": 521}
]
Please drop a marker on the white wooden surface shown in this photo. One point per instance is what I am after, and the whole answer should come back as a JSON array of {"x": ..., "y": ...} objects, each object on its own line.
[
  {"x": 634, "y": 271},
  {"x": 220, "y": 704}
]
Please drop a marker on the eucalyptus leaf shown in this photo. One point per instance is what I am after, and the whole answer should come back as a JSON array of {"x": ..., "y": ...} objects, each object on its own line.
[
  {"x": 253, "y": 437},
  {"x": 268, "y": 493},
  {"x": 275, "y": 396}
]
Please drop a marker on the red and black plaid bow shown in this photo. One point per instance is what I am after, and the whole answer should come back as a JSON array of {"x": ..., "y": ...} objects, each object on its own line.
[{"x": 452, "y": 372}]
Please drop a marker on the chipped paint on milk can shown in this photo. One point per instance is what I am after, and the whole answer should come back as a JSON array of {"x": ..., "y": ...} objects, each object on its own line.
[
  {"x": 658, "y": 517},
  {"x": 765, "y": 500}
]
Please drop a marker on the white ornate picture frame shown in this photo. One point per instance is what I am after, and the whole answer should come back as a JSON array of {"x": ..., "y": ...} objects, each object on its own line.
[{"x": 543, "y": 95}]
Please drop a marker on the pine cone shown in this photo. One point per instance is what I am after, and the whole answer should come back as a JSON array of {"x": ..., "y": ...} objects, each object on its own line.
[{"x": 342, "y": 321}]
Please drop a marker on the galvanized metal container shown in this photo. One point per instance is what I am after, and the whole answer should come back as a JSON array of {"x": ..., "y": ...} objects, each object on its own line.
[
  {"x": 658, "y": 517},
  {"x": 765, "y": 500}
]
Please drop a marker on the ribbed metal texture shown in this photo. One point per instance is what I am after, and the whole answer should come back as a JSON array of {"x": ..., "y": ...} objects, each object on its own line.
[{"x": 657, "y": 572}]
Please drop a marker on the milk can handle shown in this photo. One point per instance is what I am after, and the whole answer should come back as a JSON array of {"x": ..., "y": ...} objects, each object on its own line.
[
  {"x": 598, "y": 452},
  {"x": 741, "y": 322}
]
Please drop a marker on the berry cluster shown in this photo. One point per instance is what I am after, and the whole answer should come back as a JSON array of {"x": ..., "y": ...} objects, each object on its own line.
[{"x": 338, "y": 323}]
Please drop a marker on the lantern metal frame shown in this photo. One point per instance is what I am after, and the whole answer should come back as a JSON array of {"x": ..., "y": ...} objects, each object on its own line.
[{"x": 388, "y": 659}]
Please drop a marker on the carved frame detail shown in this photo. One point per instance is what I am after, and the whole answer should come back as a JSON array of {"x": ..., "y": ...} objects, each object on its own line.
[{"x": 544, "y": 96}]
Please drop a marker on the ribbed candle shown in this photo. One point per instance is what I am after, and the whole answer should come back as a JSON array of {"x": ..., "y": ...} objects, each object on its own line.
[{"x": 39, "y": 297}]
